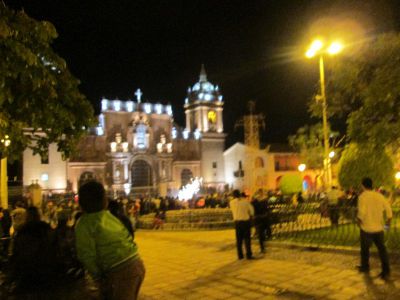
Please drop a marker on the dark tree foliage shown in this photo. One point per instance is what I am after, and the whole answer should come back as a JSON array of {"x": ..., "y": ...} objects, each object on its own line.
[
  {"x": 363, "y": 160},
  {"x": 37, "y": 91},
  {"x": 363, "y": 88},
  {"x": 309, "y": 141}
]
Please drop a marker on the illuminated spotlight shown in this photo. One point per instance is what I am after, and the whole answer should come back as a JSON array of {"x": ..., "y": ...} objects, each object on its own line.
[
  {"x": 185, "y": 134},
  {"x": 301, "y": 167},
  {"x": 188, "y": 191},
  {"x": 129, "y": 106},
  {"x": 44, "y": 177},
  {"x": 331, "y": 154},
  {"x": 335, "y": 48},
  {"x": 104, "y": 104},
  {"x": 117, "y": 105}
]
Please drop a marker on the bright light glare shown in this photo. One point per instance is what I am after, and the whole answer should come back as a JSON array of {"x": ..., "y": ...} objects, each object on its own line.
[
  {"x": 44, "y": 177},
  {"x": 301, "y": 167},
  {"x": 397, "y": 176},
  {"x": 310, "y": 53},
  {"x": 331, "y": 154},
  {"x": 335, "y": 48},
  {"x": 314, "y": 48},
  {"x": 188, "y": 191}
]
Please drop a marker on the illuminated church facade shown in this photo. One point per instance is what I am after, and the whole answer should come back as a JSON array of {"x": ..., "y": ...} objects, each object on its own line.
[{"x": 137, "y": 148}]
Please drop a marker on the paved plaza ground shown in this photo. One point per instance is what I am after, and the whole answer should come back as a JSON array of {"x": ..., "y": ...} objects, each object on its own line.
[{"x": 203, "y": 265}]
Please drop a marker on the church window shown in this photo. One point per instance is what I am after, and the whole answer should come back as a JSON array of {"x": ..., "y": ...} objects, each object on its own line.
[
  {"x": 186, "y": 176},
  {"x": 212, "y": 117},
  {"x": 141, "y": 139}
]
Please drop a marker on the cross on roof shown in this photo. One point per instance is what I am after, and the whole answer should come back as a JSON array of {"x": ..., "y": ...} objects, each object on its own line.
[{"x": 138, "y": 95}]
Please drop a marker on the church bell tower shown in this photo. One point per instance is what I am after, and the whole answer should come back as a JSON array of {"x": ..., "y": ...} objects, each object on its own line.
[
  {"x": 203, "y": 109},
  {"x": 204, "y": 106}
]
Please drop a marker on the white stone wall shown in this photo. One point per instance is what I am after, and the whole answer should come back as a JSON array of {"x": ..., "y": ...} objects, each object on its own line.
[
  {"x": 232, "y": 156},
  {"x": 56, "y": 169},
  {"x": 212, "y": 149}
]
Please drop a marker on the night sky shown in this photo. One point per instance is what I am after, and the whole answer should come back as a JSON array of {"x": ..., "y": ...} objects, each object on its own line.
[{"x": 252, "y": 49}]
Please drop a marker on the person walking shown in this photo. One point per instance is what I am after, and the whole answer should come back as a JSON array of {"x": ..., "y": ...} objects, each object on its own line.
[
  {"x": 261, "y": 218},
  {"x": 333, "y": 196},
  {"x": 371, "y": 208},
  {"x": 242, "y": 212}
]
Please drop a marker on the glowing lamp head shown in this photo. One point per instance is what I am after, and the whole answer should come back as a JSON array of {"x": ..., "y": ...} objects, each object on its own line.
[
  {"x": 335, "y": 48},
  {"x": 397, "y": 176},
  {"x": 314, "y": 48},
  {"x": 331, "y": 154},
  {"x": 301, "y": 167}
]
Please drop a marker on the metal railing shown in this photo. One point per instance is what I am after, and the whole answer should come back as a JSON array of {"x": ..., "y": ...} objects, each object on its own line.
[{"x": 311, "y": 224}]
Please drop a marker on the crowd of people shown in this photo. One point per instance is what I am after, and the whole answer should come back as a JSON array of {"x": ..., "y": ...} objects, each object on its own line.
[
  {"x": 54, "y": 244},
  {"x": 58, "y": 241}
]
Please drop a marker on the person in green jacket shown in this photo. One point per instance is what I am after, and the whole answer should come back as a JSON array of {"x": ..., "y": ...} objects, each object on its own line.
[{"x": 106, "y": 248}]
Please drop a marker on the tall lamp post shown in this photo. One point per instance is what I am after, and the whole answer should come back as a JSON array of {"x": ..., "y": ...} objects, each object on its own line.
[
  {"x": 319, "y": 48},
  {"x": 3, "y": 174}
]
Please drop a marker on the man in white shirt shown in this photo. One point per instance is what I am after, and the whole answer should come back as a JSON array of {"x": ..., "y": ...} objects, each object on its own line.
[
  {"x": 371, "y": 208},
  {"x": 333, "y": 196},
  {"x": 242, "y": 212}
]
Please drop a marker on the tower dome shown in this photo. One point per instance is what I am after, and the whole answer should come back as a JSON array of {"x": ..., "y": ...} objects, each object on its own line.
[{"x": 203, "y": 90}]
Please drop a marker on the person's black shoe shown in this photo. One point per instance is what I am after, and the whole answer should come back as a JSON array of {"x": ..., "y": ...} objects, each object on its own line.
[
  {"x": 251, "y": 258},
  {"x": 384, "y": 276},
  {"x": 362, "y": 269}
]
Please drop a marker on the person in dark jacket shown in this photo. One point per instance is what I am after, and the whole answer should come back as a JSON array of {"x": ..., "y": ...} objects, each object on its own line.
[
  {"x": 6, "y": 222},
  {"x": 115, "y": 210},
  {"x": 33, "y": 260},
  {"x": 261, "y": 220}
]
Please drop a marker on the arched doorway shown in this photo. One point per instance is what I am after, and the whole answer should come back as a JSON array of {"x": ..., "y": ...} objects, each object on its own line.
[
  {"x": 186, "y": 175},
  {"x": 141, "y": 174}
]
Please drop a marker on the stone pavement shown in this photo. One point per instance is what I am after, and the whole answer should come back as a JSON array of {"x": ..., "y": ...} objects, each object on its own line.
[{"x": 203, "y": 265}]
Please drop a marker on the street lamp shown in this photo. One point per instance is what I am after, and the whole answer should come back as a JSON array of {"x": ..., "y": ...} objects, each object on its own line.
[
  {"x": 397, "y": 176},
  {"x": 301, "y": 167},
  {"x": 318, "y": 47},
  {"x": 3, "y": 173}
]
